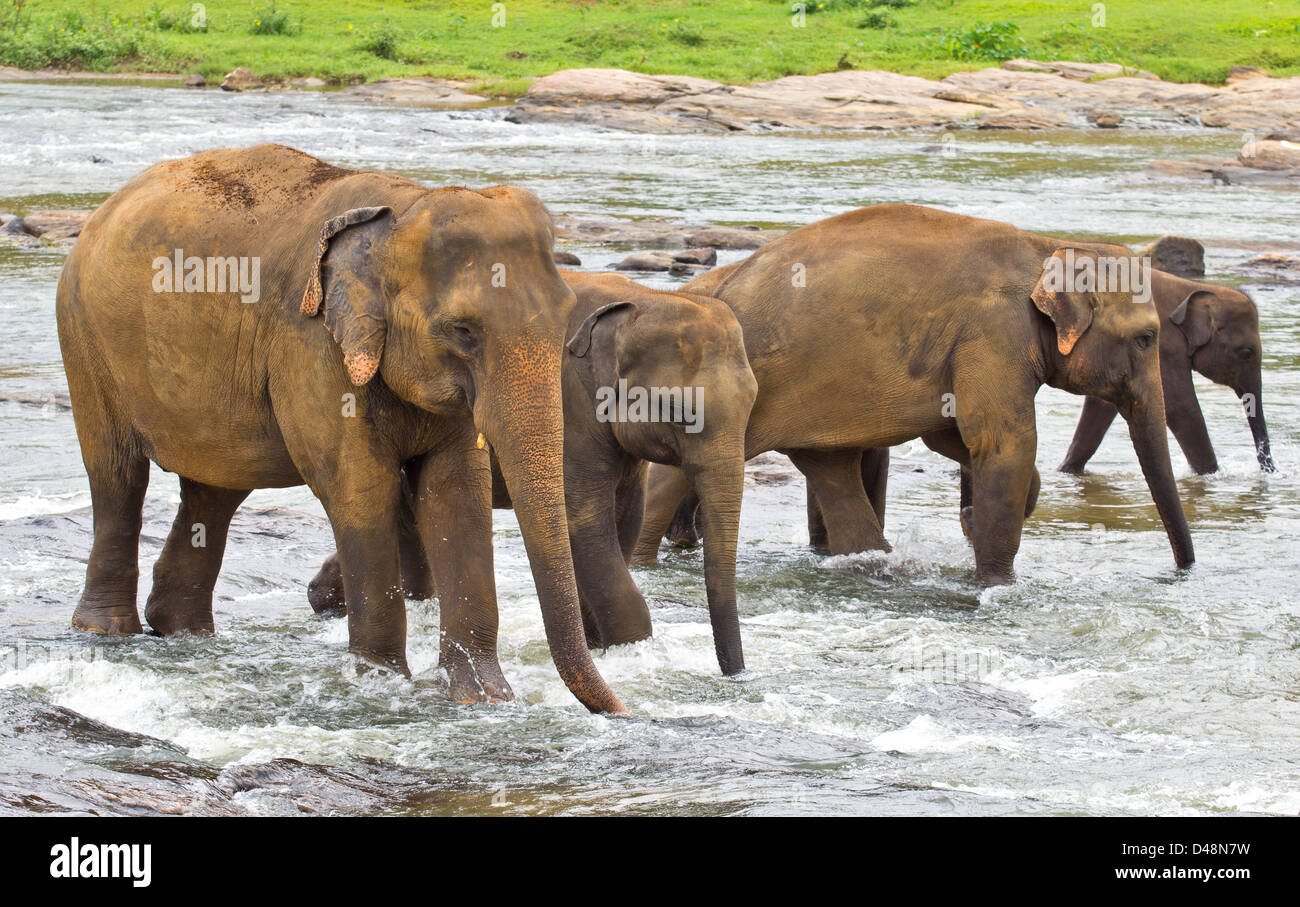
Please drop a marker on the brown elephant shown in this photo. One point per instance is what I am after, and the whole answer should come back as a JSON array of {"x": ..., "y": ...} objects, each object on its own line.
[
  {"x": 624, "y": 336},
  {"x": 443, "y": 329},
  {"x": 894, "y": 322},
  {"x": 1206, "y": 328}
]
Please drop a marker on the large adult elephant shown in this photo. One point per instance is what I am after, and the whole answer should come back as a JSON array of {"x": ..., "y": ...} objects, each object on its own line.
[
  {"x": 894, "y": 322},
  {"x": 1206, "y": 328},
  {"x": 625, "y": 340},
  {"x": 443, "y": 326}
]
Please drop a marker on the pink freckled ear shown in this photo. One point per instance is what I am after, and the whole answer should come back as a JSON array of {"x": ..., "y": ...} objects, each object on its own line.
[{"x": 361, "y": 367}]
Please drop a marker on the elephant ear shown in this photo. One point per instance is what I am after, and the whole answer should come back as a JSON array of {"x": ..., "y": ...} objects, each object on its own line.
[
  {"x": 599, "y": 366},
  {"x": 1194, "y": 316},
  {"x": 580, "y": 342},
  {"x": 1070, "y": 311},
  {"x": 347, "y": 276}
]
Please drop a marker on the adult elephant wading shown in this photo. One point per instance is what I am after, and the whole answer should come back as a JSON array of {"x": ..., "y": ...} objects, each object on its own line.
[
  {"x": 894, "y": 322},
  {"x": 627, "y": 339},
  {"x": 444, "y": 321}
]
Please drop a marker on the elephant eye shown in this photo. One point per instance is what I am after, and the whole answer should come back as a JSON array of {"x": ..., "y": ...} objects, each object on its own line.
[
  {"x": 462, "y": 336},
  {"x": 1246, "y": 352},
  {"x": 1144, "y": 340}
]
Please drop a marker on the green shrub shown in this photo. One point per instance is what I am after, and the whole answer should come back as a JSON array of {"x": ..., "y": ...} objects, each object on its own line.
[
  {"x": 271, "y": 20},
  {"x": 181, "y": 22},
  {"x": 383, "y": 42},
  {"x": 985, "y": 41},
  {"x": 69, "y": 42},
  {"x": 876, "y": 20}
]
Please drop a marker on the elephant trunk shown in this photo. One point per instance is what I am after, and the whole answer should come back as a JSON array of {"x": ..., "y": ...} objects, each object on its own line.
[
  {"x": 720, "y": 486},
  {"x": 1146, "y": 425},
  {"x": 1253, "y": 401},
  {"x": 523, "y": 419}
]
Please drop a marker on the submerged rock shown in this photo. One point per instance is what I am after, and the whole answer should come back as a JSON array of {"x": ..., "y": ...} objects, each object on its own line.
[
  {"x": 1274, "y": 266},
  {"x": 427, "y": 92}
]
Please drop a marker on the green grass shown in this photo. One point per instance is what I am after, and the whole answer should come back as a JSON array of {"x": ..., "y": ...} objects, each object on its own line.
[{"x": 735, "y": 41}]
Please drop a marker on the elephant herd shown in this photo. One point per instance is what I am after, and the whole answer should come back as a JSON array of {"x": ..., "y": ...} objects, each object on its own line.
[{"x": 415, "y": 357}]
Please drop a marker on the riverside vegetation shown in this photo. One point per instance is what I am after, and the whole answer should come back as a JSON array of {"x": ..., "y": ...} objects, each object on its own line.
[{"x": 500, "y": 47}]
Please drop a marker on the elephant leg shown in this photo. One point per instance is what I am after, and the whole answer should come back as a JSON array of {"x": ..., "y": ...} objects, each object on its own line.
[
  {"x": 875, "y": 480},
  {"x": 816, "y": 523},
  {"x": 453, "y": 512},
  {"x": 682, "y": 531},
  {"x": 119, "y": 477},
  {"x": 325, "y": 591},
  {"x": 666, "y": 486},
  {"x": 362, "y": 497},
  {"x": 605, "y": 586},
  {"x": 835, "y": 477},
  {"x": 629, "y": 506},
  {"x": 1002, "y": 477},
  {"x": 1187, "y": 422},
  {"x": 108, "y": 601},
  {"x": 186, "y": 572},
  {"x": 1093, "y": 424},
  {"x": 417, "y": 574}
]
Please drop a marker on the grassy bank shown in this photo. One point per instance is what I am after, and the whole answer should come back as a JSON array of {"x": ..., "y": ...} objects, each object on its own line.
[{"x": 734, "y": 41}]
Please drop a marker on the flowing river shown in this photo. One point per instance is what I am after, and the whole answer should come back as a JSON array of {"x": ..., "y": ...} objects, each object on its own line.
[{"x": 1102, "y": 682}]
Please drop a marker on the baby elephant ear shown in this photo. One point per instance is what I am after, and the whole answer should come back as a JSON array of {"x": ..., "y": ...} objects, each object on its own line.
[
  {"x": 347, "y": 276},
  {"x": 1194, "y": 316},
  {"x": 1070, "y": 311},
  {"x": 580, "y": 342}
]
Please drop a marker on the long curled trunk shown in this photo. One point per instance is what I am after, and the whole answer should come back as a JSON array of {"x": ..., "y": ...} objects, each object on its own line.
[
  {"x": 1146, "y": 425},
  {"x": 720, "y": 486},
  {"x": 523, "y": 420}
]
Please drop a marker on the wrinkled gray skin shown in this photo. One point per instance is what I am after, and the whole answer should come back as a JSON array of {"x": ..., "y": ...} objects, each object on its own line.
[{"x": 620, "y": 329}]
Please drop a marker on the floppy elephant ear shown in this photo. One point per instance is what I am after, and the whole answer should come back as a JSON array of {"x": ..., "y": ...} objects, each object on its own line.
[
  {"x": 580, "y": 342},
  {"x": 1195, "y": 318},
  {"x": 1070, "y": 311},
  {"x": 347, "y": 277}
]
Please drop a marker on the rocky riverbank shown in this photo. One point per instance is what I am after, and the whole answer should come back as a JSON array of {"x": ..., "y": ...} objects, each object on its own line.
[{"x": 1022, "y": 94}]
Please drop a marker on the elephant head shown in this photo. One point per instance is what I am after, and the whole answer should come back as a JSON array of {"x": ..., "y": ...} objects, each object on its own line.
[
  {"x": 1105, "y": 344},
  {"x": 1220, "y": 327},
  {"x": 688, "y": 350},
  {"x": 454, "y": 301}
]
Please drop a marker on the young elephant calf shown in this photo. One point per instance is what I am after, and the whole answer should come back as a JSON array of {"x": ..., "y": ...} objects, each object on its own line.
[{"x": 647, "y": 376}]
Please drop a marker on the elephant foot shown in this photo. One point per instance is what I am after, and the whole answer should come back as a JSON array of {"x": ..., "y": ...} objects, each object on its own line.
[
  {"x": 1073, "y": 469},
  {"x": 644, "y": 558},
  {"x": 992, "y": 578},
  {"x": 107, "y": 620},
  {"x": 473, "y": 680},
  {"x": 179, "y": 617},
  {"x": 370, "y": 662}
]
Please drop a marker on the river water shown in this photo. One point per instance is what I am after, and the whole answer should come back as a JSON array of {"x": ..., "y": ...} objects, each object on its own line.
[{"x": 1102, "y": 682}]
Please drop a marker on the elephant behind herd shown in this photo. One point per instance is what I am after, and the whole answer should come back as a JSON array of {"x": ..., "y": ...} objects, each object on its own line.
[{"x": 451, "y": 349}]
